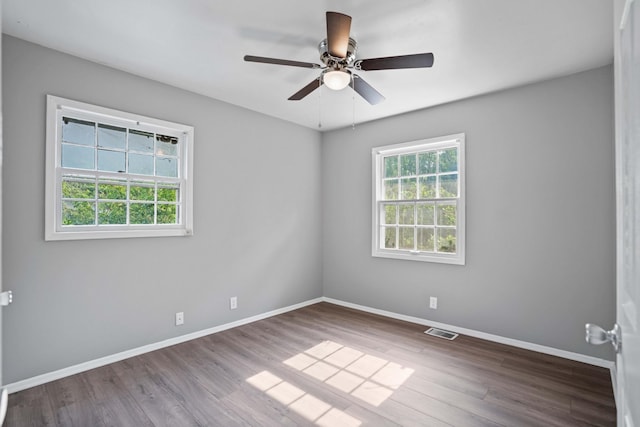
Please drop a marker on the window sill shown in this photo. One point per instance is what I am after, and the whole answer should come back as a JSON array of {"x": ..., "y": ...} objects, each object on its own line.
[
  {"x": 457, "y": 259},
  {"x": 116, "y": 234}
]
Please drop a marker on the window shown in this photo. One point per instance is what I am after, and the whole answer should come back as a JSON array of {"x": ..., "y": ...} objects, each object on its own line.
[
  {"x": 418, "y": 203},
  {"x": 112, "y": 174}
]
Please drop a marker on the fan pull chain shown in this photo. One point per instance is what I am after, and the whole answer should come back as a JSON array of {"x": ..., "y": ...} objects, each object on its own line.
[
  {"x": 353, "y": 99},
  {"x": 319, "y": 104}
]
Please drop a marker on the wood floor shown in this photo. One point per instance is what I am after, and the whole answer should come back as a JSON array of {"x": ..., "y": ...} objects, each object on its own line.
[{"x": 329, "y": 366}]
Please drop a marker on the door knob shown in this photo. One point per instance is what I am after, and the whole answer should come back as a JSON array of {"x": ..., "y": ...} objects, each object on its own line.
[
  {"x": 594, "y": 334},
  {"x": 6, "y": 297}
]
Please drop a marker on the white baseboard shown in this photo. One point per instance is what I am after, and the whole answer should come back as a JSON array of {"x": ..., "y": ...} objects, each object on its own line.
[
  {"x": 96, "y": 363},
  {"x": 483, "y": 335}
]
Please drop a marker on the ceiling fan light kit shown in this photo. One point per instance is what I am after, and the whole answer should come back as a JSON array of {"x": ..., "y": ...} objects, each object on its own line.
[
  {"x": 336, "y": 79},
  {"x": 338, "y": 54}
]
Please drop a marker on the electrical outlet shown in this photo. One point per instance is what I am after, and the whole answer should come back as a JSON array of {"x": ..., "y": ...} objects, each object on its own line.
[
  {"x": 433, "y": 302},
  {"x": 179, "y": 318},
  {"x": 233, "y": 303}
]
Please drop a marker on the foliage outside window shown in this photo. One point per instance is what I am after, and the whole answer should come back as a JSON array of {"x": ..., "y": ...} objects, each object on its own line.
[
  {"x": 418, "y": 203},
  {"x": 113, "y": 174}
]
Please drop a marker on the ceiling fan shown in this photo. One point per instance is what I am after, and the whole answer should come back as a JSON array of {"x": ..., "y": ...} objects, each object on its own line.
[{"x": 338, "y": 54}]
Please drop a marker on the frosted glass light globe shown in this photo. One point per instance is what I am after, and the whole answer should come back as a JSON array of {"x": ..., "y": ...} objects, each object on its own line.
[{"x": 336, "y": 80}]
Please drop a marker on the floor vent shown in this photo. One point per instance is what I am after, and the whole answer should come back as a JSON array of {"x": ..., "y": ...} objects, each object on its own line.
[{"x": 441, "y": 333}]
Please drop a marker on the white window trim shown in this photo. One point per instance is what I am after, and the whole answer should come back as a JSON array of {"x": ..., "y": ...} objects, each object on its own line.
[
  {"x": 56, "y": 108},
  {"x": 377, "y": 154}
]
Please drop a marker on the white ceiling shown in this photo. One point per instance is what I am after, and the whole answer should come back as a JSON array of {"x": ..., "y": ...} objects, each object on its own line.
[{"x": 479, "y": 46}]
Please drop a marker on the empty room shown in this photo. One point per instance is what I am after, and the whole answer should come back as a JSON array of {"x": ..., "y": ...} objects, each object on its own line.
[{"x": 412, "y": 213}]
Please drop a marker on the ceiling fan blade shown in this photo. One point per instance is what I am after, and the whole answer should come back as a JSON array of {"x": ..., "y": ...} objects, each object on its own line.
[
  {"x": 338, "y": 28},
  {"x": 366, "y": 91},
  {"x": 315, "y": 84},
  {"x": 263, "y": 60},
  {"x": 419, "y": 60}
]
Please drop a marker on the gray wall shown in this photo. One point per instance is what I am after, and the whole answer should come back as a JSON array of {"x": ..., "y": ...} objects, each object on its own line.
[
  {"x": 257, "y": 223},
  {"x": 540, "y": 215},
  {"x": 540, "y": 219}
]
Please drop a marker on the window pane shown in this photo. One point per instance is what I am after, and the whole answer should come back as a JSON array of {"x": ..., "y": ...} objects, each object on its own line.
[
  {"x": 112, "y": 213},
  {"x": 390, "y": 214},
  {"x": 78, "y": 131},
  {"x": 77, "y": 157},
  {"x": 111, "y": 137},
  {"x": 425, "y": 213},
  {"x": 425, "y": 239},
  {"x": 427, "y": 187},
  {"x": 390, "y": 167},
  {"x": 167, "y": 148},
  {"x": 406, "y": 214},
  {"x": 446, "y": 215},
  {"x": 78, "y": 213},
  {"x": 389, "y": 237},
  {"x": 448, "y": 160},
  {"x": 112, "y": 174},
  {"x": 427, "y": 163},
  {"x": 113, "y": 191},
  {"x": 111, "y": 161},
  {"x": 449, "y": 185},
  {"x": 140, "y": 164},
  {"x": 391, "y": 189},
  {"x": 408, "y": 190},
  {"x": 78, "y": 189},
  {"x": 408, "y": 165},
  {"x": 447, "y": 240},
  {"x": 141, "y": 213},
  {"x": 417, "y": 200},
  {"x": 167, "y": 214},
  {"x": 406, "y": 238},
  {"x": 168, "y": 194},
  {"x": 166, "y": 166},
  {"x": 138, "y": 191},
  {"x": 140, "y": 141}
]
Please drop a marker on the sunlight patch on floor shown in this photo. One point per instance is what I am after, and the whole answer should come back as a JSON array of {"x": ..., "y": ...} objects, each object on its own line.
[
  {"x": 369, "y": 378},
  {"x": 285, "y": 393},
  {"x": 321, "y": 371},
  {"x": 372, "y": 393},
  {"x": 345, "y": 381},
  {"x": 304, "y": 404},
  {"x": 300, "y": 361},
  {"x": 366, "y": 377}
]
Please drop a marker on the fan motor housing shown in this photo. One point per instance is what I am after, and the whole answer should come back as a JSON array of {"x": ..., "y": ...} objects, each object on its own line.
[{"x": 334, "y": 63}]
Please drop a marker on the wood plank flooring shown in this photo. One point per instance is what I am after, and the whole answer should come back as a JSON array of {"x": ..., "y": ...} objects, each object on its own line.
[{"x": 326, "y": 365}]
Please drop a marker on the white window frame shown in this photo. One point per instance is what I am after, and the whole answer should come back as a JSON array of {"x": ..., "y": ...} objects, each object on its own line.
[
  {"x": 431, "y": 144},
  {"x": 57, "y": 108}
]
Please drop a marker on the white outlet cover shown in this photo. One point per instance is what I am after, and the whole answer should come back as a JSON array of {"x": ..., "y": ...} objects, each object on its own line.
[
  {"x": 179, "y": 319},
  {"x": 433, "y": 302}
]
